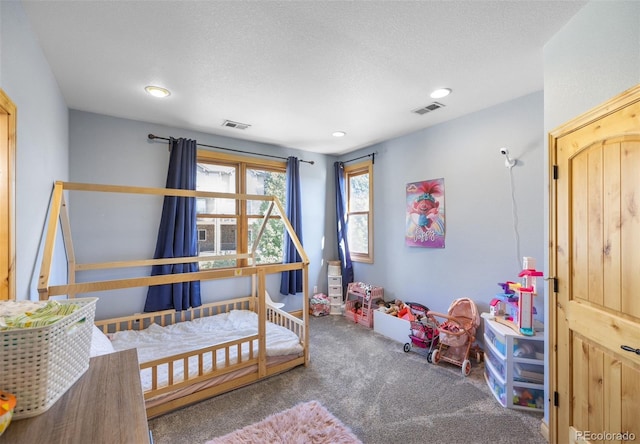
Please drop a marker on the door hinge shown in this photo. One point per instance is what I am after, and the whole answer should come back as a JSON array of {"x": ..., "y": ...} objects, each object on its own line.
[
  {"x": 556, "y": 402},
  {"x": 555, "y": 172}
]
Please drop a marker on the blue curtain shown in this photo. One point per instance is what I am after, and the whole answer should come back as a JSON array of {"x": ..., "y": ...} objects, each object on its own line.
[
  {"x": 291, "y": 281},
  {"x": 177, "y": 235},
  {"x": 343, "y": 229}
]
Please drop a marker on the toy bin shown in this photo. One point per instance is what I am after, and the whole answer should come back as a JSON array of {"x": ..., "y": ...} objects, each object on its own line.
[
  {"x": 497, "y": 341},
  {"x": 497, "y": 387},
  {"x": 319, "y": 305},
  {"x": 39, "y": 364}
]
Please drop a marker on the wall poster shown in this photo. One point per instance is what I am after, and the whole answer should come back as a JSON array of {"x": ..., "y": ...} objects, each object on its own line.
[{"x": 425, "y": 214}]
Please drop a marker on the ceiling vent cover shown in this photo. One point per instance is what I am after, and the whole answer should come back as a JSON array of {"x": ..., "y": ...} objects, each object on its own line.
[
  {"x": 427, "y": 109},
  {"x": 236, "y": 125}
]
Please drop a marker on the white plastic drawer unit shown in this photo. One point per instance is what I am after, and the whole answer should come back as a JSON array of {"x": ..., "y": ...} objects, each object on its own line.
[
  {"x": 335, "y": 281},
  {"x": 514, "y": 366}
]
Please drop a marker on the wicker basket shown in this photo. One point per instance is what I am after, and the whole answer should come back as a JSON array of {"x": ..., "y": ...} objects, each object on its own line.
[{"x": 38, "y": 365}]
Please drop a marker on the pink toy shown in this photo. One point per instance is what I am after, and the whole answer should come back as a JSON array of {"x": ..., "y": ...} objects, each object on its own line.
[
  {"x": 519, "y": 311},
  {"x": 496, "y": 308},
  {"x": 525, "y": 300}
]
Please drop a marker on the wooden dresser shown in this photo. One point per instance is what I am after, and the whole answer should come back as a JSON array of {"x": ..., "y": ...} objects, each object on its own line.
[{"x": 104, "y": 406}]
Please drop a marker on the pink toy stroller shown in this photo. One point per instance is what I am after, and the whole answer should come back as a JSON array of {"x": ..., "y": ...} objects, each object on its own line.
[
  {"x": 424, "y": 332},
  {"x": 457, "y": 333}
]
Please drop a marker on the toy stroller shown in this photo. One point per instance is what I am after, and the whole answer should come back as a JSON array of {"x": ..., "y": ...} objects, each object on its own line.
[
  {"x": 424, "y": 332},
  {"x": 457, "y": 333}
]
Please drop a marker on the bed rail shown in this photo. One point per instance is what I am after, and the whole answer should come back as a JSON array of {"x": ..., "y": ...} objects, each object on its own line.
[
  {"x": 141, "y": 321},
  {"x": 286, "y": 320},
  {"x": 192, "y": 367}
]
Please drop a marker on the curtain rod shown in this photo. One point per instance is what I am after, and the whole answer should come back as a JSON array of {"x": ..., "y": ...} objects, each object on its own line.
[
  {"x": 152, "y": 137},
  {"x": 372, "y": 155}
]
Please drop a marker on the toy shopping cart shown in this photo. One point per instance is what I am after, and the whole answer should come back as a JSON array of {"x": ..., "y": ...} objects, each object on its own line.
[
  {"x": 457, "y": 331},
  {"x": 424, "y": 332}
]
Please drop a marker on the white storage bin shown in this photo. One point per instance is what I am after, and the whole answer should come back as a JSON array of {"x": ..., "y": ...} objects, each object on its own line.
[{"x": 38, "y": 365}]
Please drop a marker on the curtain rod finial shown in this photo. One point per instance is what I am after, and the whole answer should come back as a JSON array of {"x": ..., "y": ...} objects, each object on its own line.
[{"x": 151, "y": 136}]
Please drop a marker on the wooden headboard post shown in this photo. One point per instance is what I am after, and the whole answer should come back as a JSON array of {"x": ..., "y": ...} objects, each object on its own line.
[{"x": 50, "y": 240}]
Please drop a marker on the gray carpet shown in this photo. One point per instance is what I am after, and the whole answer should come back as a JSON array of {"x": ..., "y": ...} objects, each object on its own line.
[{"x": 368, "y": 382}]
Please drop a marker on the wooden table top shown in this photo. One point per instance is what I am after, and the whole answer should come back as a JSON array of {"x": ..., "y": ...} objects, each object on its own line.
[{"x": 105, "y": 405}]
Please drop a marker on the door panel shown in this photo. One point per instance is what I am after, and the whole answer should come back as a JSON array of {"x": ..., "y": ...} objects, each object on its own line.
[{"x": 595, "y": 255}]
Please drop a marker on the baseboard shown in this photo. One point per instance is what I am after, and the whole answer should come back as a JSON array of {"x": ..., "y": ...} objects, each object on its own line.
[
  {"x": 544, "y": 429},
  {"x": 297, "y": 313}
]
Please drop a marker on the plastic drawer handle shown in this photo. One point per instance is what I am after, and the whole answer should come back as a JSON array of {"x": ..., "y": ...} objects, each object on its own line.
[{"x": 630, "y": 349}]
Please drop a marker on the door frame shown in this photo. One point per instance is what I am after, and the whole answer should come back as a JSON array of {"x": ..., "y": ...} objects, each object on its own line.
[
  {"x": 557, "y": 384},
  {"x": 8, "y": 113}
]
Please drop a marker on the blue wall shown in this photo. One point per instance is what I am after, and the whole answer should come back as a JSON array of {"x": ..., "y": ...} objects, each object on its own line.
[
  {"x": 42, "y": 139},
  {"x": 481, "y": 249},
  {"x": 108, "y": 150}
]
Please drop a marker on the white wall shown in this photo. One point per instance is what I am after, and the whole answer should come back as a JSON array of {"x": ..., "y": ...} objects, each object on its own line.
[
  {"x": 110, "y": 150},
  {"x": 480, "y": 249},
  {"x": 595, "y": 57},
  {"x": 41, "y": 141}
]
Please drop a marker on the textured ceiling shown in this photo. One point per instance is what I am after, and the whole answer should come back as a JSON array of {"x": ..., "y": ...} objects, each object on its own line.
[{"x": 296, "y": 71}]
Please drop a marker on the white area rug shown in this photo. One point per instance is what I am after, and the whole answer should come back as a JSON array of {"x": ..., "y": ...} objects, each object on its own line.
[{"x": 304, "y": 423}]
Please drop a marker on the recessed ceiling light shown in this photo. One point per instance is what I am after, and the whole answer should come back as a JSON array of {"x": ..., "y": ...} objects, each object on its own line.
[
  {"x": 157, "y": 91},
  {"x": 440, "y": 93},
  {"x": 339, "y": 134}
]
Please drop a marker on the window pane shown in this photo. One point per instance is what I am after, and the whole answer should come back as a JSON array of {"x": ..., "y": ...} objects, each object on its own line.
[
  {"x": 359, "y": 193},
  {"x": 216, "y": 178},
  {"x": 219, "y": 240},
  {"x": 270, "y": 246},
  {"x": 206, "y": 236},
  {"x": 265, "y": 183},
  {"x": 359, "y": 233},
  {"x": 228, "y": 238}
]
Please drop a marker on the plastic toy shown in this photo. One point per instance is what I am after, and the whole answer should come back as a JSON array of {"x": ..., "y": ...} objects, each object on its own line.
[
  {"x": 519, "y": 310},
  {"x": 525, "y": 301},
  {"x": 424, "y": 332},
  {"x": 7, "y": 405},
  {"x": 496, "y": 308}
]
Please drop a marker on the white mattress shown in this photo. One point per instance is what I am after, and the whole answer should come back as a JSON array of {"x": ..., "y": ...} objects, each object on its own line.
[{"x": 158, "y": 342}]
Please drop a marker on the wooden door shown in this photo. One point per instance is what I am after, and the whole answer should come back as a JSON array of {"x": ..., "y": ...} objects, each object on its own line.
[
  {"x": 595, "y": 256},
  {"x": 7, "y": 194}
]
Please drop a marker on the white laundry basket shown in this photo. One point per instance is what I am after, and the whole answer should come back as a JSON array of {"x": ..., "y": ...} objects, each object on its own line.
[{"x": 38, "y": 365}]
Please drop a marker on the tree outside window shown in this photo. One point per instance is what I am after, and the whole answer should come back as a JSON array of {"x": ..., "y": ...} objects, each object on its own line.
[{"x": 231, "y": 226}]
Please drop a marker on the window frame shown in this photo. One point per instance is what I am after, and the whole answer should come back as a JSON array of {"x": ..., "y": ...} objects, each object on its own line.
[
  {"x": 243, "y": 219},
  {"x": 351, "y": 171}
]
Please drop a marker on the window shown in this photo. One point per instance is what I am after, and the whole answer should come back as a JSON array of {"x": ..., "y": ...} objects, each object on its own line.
[
  {"x": 359, "y": 184},
  {"x": 231, "y": 226}
]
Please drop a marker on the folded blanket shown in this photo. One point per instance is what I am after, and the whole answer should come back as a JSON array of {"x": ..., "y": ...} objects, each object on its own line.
[{"x": 28, "y": 314}]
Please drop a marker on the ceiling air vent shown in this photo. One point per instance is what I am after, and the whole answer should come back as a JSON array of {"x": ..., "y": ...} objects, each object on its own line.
[
  {"x": 427, "y": 109},
  {"x": 236, "y": 125}
]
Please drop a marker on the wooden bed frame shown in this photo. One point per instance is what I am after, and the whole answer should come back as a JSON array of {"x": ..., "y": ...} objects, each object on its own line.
[{"x": 203, "y": 385}]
